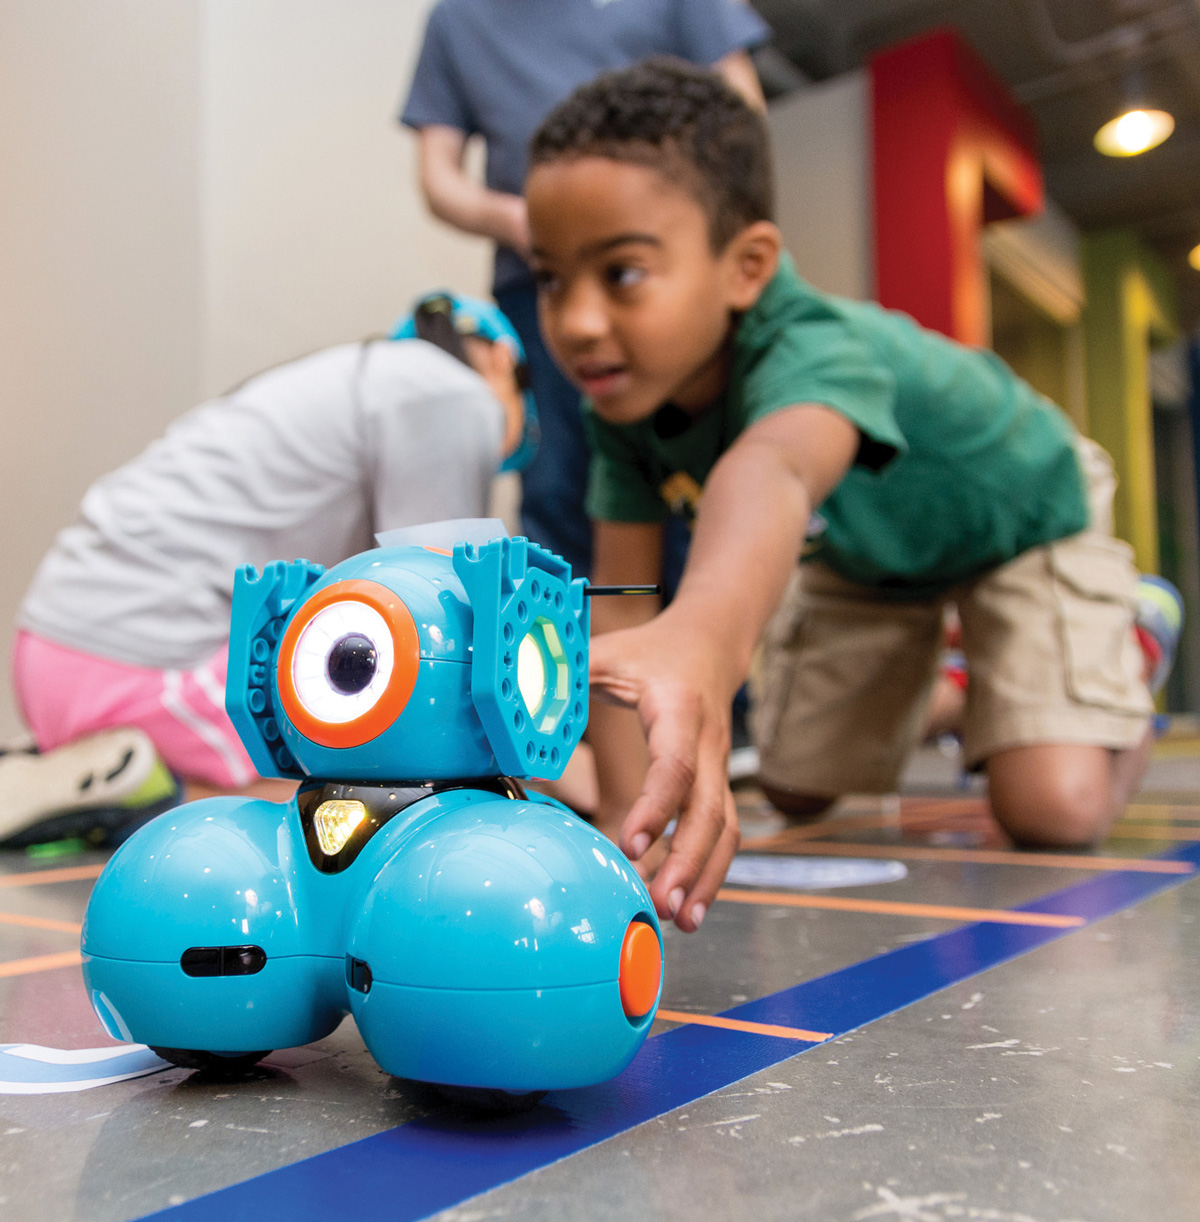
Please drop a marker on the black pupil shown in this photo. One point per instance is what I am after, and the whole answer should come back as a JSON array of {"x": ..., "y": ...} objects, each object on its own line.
[{"x": 351, "y": 663}]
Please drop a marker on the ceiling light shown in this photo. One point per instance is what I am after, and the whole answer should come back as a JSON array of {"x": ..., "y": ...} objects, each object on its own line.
[
  {"x": 1194, "y": 257},
  {"x": 1134, "y": 132}
]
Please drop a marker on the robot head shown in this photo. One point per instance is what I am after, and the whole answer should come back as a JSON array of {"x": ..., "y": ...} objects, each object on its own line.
[{"x": 411, "y": 663}]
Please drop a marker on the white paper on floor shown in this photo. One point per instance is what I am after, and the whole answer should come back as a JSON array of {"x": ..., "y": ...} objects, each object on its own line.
[
  {"x": 805, "y": 874},
  {"x": 26, "y": 1069}
]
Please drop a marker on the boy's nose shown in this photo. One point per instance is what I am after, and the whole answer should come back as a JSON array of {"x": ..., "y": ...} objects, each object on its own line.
[{"x": 582, "y": 317}]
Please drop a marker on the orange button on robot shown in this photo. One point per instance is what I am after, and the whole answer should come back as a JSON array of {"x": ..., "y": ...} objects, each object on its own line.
[{"x": 641, "y": 969}]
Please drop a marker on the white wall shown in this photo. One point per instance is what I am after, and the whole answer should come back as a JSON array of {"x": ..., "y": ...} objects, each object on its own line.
[
  {"x": 190, "y": 190},
  {"x": 99, "y": 305},
  {"x": 821, "y": 137},
  {"x": 313, "y": 228}
]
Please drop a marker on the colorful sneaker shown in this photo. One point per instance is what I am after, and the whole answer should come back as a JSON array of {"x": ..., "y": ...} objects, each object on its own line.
[
  {"x": 99, "y": 788},
  {"x": 1158, "y": 622}
]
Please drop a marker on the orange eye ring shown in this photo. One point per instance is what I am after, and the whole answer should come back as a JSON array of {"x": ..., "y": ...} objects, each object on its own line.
[
  {"x": 406, "y": 664},
  {"x": 641, "y": 969}
]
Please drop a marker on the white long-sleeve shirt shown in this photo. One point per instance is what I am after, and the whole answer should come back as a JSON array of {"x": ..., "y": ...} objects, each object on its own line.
[{"x": 307, "y": 461}]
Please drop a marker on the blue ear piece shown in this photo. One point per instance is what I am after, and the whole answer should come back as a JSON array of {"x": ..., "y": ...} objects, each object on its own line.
[
  {"x": 261, "y": 606},
  {"x": 529, "y": 665}
]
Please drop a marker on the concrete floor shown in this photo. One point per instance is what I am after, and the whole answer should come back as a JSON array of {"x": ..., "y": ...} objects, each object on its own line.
[{"x": 1060, "y": 1086}]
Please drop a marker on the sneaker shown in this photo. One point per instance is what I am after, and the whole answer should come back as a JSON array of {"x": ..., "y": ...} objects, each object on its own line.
[
  {"x": 100, "y": 788},
  {"x": 1158, "y": 622}
]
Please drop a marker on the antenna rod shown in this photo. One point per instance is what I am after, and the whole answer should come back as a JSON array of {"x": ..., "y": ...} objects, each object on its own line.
[{"x": 604, "y": 591}]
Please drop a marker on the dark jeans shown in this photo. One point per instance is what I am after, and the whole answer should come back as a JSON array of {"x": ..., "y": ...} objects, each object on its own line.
[{"x": 554, "y": 484}]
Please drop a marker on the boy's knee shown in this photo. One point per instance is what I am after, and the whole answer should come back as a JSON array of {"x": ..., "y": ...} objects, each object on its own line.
[
  {"x": 798, "y": 807},
  {"x": 1066, "y": 803}
]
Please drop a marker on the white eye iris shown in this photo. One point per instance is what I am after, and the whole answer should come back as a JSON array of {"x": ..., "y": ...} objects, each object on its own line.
[{"x": 342, "y": 662}]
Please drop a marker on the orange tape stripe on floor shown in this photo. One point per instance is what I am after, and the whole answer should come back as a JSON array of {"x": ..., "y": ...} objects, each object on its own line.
[
  {"x": 998, "y": 916},
  {"x": 34, "y": 922},
  {"x": 1174, "y": 811},
  {"x": 944, "y": 806},
  {"x": 916, "y": 822},
  {"x": 997, "y": 857},
  {"x": 733, "y": 1024},
  {"x": 42, "y": 963},
  {"x": 1151, "y": 831},
  {"x": 32, "y": 878}
]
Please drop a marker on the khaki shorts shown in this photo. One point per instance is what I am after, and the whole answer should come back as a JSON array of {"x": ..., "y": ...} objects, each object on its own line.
[{"x": 846, "y": 676}]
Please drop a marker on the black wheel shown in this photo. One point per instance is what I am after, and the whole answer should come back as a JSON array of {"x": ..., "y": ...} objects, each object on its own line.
[
  {"x": 214, "y": 1064},
  {"x": 489, "y": 1099}
]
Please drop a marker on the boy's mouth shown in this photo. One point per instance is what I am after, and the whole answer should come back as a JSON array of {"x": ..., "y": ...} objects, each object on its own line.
[{"x": 599, "y": 381}]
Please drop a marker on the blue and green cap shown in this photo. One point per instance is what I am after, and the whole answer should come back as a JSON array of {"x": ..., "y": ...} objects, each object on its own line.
[{"x": 444, "y": 318}]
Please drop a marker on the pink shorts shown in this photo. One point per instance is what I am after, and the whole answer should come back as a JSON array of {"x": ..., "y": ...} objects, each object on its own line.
[{"x": 65, "y": 694}]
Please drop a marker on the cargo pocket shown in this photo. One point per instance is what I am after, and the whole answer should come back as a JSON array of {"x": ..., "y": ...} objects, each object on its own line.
[{"x": 1094, "y": 579}]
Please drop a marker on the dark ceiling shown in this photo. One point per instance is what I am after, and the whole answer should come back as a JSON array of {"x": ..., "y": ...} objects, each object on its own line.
[{"x": 1072, "y": 63}]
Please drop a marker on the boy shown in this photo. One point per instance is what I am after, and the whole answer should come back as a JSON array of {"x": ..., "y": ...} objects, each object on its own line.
[
  {"x": 121, "y": 646},
  {"x": 495, "y": 68},
  {"x": 934, "y": 472}
]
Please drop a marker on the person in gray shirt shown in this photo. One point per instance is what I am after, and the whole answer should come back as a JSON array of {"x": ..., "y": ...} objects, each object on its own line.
[
  {"x": 126, "y": 623},
  {"x": 495, "y": 68}
]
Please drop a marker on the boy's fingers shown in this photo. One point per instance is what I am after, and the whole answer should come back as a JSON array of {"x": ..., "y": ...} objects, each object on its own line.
[
  {"x": 696, "y": 905},
  {"x": 702, "y": 847},
  {"x": 673, "y": 741}
]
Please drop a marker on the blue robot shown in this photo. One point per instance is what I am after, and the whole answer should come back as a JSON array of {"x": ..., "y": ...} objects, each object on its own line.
[{"x": 484, "y": 938}]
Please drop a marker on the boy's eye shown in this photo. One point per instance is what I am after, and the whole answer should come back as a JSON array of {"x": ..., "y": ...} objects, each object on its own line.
[
  {"x": 545, "y": 279},
  {"x": 624, "y": 275}
]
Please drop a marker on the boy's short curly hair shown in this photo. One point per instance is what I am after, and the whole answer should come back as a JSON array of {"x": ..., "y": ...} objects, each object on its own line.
[{"x": 681, "y": 120}]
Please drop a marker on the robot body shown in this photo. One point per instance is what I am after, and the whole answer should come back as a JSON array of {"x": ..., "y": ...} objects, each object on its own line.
[{"x": 480, "y": 936}]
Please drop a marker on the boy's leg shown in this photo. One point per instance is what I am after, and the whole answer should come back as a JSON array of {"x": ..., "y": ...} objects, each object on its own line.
[
  {"x": 1079, "y": 790},
  {"x": 1057, "y": 703},
  {"x": 842, "y": 701},
  {"x": 1064, "y": 795}
]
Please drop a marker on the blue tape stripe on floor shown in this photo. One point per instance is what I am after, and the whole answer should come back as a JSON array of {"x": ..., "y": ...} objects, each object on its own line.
[{"x": 415, "y": 1170}]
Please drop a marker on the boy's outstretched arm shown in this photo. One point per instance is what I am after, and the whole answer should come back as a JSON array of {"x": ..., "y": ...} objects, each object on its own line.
[
  {"x": 681, "y": 670},
  {"x": 624, "y": 553}
]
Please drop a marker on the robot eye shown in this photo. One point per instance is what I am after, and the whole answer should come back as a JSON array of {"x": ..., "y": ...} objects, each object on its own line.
[
  {"x": 342, "y": 661},
  {"x": 352, "y": 663},
  {"x": 348, "y": 663}
]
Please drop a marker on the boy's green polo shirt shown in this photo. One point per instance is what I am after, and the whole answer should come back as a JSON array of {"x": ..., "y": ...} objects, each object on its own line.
[{"x": 962, "y": 466}]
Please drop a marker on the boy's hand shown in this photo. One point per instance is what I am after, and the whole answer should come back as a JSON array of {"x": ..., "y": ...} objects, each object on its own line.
[
  {"x": 682, "y": 695},
  {"x": 680, "y": 670}
]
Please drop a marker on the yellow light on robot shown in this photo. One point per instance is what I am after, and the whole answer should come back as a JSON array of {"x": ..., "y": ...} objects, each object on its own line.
[
  {"x": 1194, "y": 257},
  {"x": 531, "y": 674},
  {"x": 1136, "y": 131},
  {"x": 336, "y": 821}
]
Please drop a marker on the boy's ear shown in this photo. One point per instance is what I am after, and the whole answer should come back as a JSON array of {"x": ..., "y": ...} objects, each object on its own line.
[{"x": 752, "y": 257}]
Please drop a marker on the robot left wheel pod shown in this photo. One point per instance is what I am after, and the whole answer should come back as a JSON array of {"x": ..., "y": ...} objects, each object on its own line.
[{"x": 483, "y": 939}]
